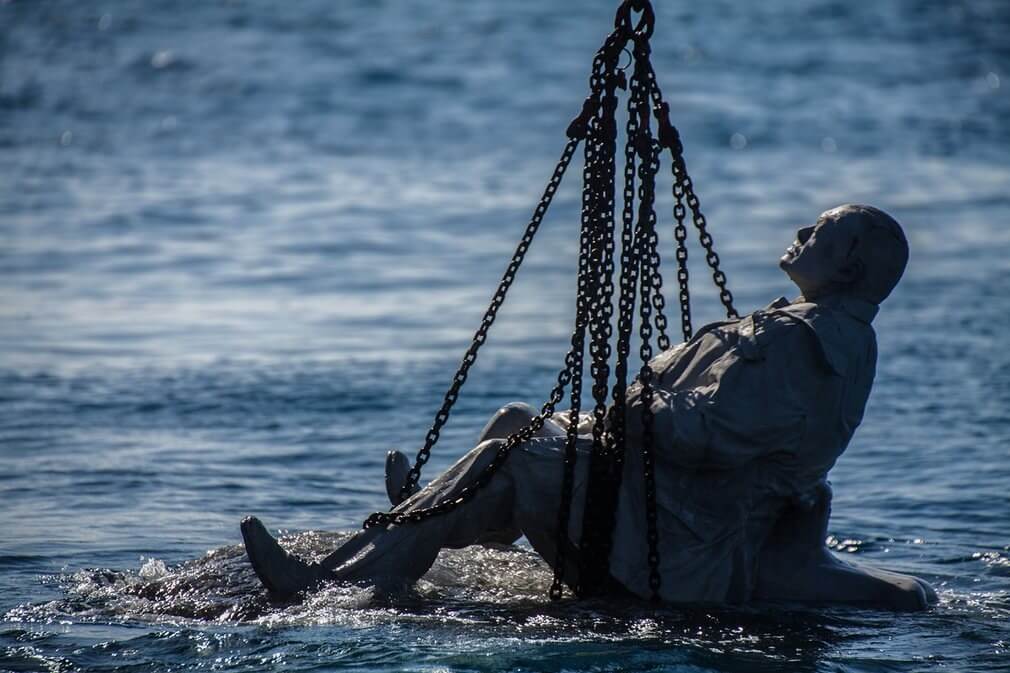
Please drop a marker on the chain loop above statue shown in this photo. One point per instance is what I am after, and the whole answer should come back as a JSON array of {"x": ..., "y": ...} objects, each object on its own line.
[{"x": 645, "y": 25}]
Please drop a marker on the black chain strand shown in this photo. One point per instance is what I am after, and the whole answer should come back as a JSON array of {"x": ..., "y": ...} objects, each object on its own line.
[
  {"x": 573, "y": 365},
  {"x": 385, "y": 518},
  {"x": 669, "y": 137},
  {"x": 648, "y": 283},
  {"x": 629, "y": 270},
  {"x": 594, "y": 530},
  {"x": 606, "y": 465},
  {"x": 683, "y": 276},
  {"x": 576, "y": 131},
  {"x": 587, "y": 292}
]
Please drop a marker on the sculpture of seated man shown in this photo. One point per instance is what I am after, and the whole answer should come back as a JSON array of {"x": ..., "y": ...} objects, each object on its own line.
[{"x": 749, "y": 416}]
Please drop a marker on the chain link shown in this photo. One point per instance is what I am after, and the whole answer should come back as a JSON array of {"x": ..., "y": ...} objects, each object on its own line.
[
  {"x": 705, "y": 238},
  {"x": 599, "y": 212}
]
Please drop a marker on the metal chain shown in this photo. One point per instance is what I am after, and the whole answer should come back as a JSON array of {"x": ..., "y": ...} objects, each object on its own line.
[
  {"x": 640, "y": 276},
  {"x": 607, "y": 464},
  {"x": 705, "y": 238},
  {"x": 648, "y": 462},
  {"x": 603, "y": 475},
  {"x": 587, "y": 295},
  {"x": 576, "y": 132},
  {"x": 680, "y": 234},
  {"x": 574, "y": 366},
  {"x": 629, "y": 278},
  {"x": 648, "y": 283},
  {"x": 670, "y": 138},
  {"x": 470, "y": 357},
  {"x": 603, "y": 188},
  {"x": 659, "y": 304},
  {"x": 649, "y": 156},
  {"x": 489, "y": 316}
]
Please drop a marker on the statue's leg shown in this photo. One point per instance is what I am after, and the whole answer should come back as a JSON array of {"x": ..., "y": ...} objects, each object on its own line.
[
  {"x": 513, "y": 417},
  {"x": 524, "y": 492},
  {"x": 510, "y": 418},
  {"x": 400, "y": 555},
  {"x": 537, "y": 471},
  {"x": 397, "y": 556},
  {"x": 517, "y": 415},
  {"x": 794, "y": 565},
  {"x": 825, "y": 578}
]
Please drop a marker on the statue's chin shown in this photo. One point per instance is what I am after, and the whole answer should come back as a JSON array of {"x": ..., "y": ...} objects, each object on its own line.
[{"x": 786, "y": 265}]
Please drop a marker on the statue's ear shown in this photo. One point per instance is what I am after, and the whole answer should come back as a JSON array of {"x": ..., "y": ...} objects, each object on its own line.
[
  {"x": 851, "y": 272},
  {"x": 854, "y": 268}
]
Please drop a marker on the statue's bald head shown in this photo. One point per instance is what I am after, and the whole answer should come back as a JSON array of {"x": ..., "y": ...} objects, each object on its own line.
[
  {"x": 852, "y": 249},
  {"x": 880, "y": 245}
]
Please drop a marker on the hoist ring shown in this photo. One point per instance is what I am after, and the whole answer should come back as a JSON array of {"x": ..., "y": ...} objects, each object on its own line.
[
  {"x": 631, "y": 59},
  {"x": 645, "y": 23}
]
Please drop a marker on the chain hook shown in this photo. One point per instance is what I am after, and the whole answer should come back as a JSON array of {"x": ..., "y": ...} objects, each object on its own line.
[{"x": 622, "y": 21}]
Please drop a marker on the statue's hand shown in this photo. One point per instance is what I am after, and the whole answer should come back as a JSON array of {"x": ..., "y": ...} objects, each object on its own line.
[
  {"x": 803, "y": 524},
  {"x": 818, "y": 496},
  {"x": 585, "y": 425}
]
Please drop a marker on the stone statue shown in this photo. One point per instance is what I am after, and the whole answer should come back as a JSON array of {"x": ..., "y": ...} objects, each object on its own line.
[{"x": 750, "y": 415}]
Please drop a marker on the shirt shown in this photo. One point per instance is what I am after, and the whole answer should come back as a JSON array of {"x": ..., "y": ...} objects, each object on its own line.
[{"x": 748, "y": 414}]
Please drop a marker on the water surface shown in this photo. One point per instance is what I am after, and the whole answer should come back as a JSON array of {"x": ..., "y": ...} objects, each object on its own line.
[{"x": 243, "y": 245}]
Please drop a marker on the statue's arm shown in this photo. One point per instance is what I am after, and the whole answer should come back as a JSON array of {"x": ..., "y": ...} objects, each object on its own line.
[
  {"x": 794, "y": 565},
  {"x": 758, "y": 407}
]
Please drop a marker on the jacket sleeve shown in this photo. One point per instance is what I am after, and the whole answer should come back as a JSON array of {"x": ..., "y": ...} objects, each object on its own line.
[{"x": 757, "y": 399}]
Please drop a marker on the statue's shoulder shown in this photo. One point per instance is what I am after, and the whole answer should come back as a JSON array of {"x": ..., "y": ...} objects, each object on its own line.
[
  {"x": 841, "y": 337},
  {"x": 751, "y": 336},
  {"x": 771, "y": 330}
]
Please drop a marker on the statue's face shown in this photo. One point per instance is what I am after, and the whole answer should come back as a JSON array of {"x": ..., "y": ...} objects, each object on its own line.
[{"x": 819, "y": 258}]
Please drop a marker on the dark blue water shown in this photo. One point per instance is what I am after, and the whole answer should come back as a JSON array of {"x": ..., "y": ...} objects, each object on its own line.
[{"x": 243, "y": 245}]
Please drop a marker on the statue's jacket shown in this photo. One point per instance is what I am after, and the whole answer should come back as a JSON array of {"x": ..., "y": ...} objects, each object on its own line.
[{"x": 749, "y": 415}]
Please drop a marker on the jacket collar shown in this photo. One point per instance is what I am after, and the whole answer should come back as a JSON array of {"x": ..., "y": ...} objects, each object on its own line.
[{"x": 860, "y": 309}]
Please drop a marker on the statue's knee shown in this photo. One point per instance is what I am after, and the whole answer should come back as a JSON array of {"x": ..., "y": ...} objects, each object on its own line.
[
  {"x": 510, "y": 418},
  {"x": 928, "y": 591},
  {"x": 517, "y": 411},
  {"x": 898, "y": 591},
  {"x": 908, "y": 596}
]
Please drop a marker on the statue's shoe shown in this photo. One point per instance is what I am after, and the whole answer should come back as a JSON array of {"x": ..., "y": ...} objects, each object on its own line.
[
  {"x": 283, "y": 574},
  {"x": 397, "y": 469}
]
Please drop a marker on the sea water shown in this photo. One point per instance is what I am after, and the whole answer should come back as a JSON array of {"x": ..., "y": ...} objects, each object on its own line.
[{"x": 243, "y": 246}]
